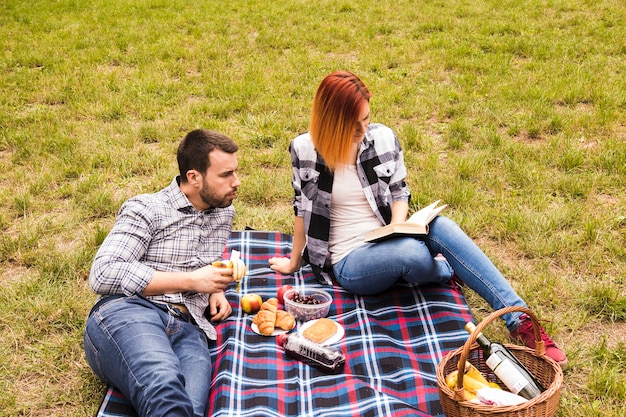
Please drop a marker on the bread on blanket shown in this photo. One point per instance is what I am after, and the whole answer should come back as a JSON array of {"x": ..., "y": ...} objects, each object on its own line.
[
  {"x": 265, "y": 319},
  {"x": 321, "y": 330},
  {"x": 284, "y": 320}
]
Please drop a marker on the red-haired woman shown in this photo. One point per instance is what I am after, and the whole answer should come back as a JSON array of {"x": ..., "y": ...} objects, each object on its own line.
[{"x": 349, "y": 179}]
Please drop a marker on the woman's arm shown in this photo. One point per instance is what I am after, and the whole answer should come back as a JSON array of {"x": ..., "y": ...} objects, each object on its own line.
[
  {"x": 294, "y": 262},
  {"x": 399, "y": 211}
]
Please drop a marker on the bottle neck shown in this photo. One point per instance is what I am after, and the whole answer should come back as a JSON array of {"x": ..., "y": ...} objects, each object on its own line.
[{"x": 481, "y": 339}]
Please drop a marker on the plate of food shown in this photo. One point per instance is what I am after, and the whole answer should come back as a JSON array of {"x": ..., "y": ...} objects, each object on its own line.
[
  {"x": 271, "y": 321},
  {"x": 323, "y": 331}
]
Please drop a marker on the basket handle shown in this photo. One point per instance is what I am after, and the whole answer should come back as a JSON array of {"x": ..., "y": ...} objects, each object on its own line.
[{"x": 540, "y": 348}]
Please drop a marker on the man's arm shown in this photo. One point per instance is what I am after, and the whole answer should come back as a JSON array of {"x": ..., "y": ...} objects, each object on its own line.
[
  {"x": 207, "y": 279},
  {"x": 117, "y": 268}
]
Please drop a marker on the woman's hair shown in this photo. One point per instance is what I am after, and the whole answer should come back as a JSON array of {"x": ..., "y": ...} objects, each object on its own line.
[
  {"x": 336, "y": 110},
  {"x": 194, "y": 149}
]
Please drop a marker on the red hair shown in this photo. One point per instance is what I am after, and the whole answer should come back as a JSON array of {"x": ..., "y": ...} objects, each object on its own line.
[{"x": 336, "y": 110}]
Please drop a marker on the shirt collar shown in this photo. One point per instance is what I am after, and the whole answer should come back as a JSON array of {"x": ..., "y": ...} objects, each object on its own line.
[
  {"x": 177, "y": 198},
  {"x": 367, "y": 141}
]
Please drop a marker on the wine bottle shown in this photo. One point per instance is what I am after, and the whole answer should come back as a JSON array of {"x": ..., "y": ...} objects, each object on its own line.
[{"x": 507, "y": 367}]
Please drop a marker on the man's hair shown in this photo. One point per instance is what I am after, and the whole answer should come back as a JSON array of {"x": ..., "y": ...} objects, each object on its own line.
[
  {"x": 194, "y": 150},
  {"x": 336, "y": 110}
]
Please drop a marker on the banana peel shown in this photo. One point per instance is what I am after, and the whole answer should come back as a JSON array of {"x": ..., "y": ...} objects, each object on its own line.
[{"x": 238, "y": 266}]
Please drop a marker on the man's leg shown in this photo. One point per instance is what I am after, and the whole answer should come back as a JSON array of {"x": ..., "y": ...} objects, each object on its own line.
[{"x": 127, "y": 346}]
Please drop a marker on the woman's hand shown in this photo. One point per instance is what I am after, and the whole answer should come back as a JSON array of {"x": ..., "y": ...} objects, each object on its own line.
[{"x": 284, "y": 265}]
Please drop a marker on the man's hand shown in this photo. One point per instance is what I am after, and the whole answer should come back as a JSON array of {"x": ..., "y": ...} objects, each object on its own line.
[
  {"x": 219, "y": 308},
  {"x": 210, "y": 279},
  {"x": 207, "y": 279}
]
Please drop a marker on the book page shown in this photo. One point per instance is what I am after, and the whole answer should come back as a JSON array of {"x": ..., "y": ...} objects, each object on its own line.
[{"x": 427, "y": 214}]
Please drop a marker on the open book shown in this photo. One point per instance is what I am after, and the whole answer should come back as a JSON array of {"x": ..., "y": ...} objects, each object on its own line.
[{"x": 416, "y": 225}]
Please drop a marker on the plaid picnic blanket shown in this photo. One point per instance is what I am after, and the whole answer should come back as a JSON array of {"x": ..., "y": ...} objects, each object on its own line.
[{"x": 393, "y": 343}]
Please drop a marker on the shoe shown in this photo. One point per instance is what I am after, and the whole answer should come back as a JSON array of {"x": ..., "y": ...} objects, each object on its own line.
[{"x": 526, "y": 335}]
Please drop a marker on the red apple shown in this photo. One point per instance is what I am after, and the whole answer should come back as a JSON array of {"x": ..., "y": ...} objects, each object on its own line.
[
  {"x": 281, "y": 293},
  {"x": 251, "y": 303}
]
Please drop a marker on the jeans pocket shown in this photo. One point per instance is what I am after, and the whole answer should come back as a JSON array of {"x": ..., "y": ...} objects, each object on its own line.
[{"x": 93, "y": 355}]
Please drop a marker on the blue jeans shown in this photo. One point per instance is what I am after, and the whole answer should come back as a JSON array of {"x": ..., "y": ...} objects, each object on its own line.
[
  {"x": 159, "y": 362},
  {"x": 375, "y": 267}
]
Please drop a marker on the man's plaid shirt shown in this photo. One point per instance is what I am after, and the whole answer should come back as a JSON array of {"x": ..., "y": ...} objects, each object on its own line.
[
  {"x": 161, "y": 232},
  {"x": 381, "y": 171}
]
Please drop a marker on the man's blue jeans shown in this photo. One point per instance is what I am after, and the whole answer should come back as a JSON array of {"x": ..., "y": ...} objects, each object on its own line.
[
  {"x": 374, "y": 267},
  {"x": 159, "y": 362}
]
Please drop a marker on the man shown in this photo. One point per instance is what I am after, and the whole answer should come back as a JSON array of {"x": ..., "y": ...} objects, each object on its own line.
[{"x": 148, "y": 335}]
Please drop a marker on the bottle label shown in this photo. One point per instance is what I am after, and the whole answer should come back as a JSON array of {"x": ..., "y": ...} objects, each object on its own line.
[{"x": 507, "y": 372}]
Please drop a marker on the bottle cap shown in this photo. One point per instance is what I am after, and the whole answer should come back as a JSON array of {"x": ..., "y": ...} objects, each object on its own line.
[{"x": 470, "y": 327}]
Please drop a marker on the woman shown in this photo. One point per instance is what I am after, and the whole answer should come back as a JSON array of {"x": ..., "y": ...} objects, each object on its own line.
[{"x": 349, "y": 179}]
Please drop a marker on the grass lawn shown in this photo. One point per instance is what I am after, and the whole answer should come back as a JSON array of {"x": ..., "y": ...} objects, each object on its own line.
[{"x": 512, "y": 112}]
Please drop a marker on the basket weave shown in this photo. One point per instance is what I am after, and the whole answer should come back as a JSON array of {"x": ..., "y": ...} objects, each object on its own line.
[{"x": 543, "y": 368}]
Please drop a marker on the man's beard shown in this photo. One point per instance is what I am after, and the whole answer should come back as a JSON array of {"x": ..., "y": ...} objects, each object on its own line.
[{"x": 212, "y": 200}]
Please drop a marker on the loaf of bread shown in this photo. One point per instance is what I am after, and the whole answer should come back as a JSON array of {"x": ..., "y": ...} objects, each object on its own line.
[{"x": 320, "y": 331}]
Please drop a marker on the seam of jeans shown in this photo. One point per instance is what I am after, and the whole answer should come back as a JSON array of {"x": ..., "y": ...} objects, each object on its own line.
[{"x": 514, "y": 316}]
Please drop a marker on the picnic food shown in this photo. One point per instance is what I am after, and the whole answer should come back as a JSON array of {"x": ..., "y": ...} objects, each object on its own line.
[
  {"x": 265, "y": 319},
  {"x": 281, "y": 293},
  {"x": 284, "y": 320},
  {"x": 270, "y": 318},
  {"x": 325, "y": 358},
  {"x": 307, "y": 303},
  {"x": 470, "y": 385},
  {"x": 251, "y": 303},
  {"x": 517, "y": 378},
  {"x": 238, "y": 266},
  {"x": 321, "y": 330}
]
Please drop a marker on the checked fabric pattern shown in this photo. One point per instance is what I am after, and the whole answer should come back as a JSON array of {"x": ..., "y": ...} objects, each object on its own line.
[{"x": 393, "y": 343}]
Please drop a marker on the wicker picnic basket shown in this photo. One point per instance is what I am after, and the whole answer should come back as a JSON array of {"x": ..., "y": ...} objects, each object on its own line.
[{"x": 545, "y": 370}]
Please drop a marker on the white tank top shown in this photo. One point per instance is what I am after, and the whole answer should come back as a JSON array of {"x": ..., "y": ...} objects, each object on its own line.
[{"x": 351, "y": 216}]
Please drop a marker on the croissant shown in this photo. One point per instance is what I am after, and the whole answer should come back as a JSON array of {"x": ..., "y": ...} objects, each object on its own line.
[
  {"x": 265, "y": 322},
  {"x": 265, "y": 319},
  {"x": 284, "y": 320},
  {"x": 271, "y": 304}
]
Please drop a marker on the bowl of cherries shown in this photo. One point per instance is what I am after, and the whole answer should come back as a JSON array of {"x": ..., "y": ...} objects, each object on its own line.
[{"x": 307, "y": 304}]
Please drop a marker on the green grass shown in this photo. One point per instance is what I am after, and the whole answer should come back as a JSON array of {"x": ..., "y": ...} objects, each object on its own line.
[{"x": 513, "y": 112}]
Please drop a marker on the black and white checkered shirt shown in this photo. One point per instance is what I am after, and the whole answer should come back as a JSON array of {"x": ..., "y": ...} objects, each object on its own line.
[{"x": 381, "y": 171}]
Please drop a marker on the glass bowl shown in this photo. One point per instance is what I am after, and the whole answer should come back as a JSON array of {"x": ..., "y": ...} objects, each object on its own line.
[{"x": 316, "y": 303}]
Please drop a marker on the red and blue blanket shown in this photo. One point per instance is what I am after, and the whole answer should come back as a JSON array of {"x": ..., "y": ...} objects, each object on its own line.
[{"x": 393, "y": 343}]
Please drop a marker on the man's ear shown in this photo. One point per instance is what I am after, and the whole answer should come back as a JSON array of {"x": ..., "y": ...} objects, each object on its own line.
[{"x": 194, "y": 177}]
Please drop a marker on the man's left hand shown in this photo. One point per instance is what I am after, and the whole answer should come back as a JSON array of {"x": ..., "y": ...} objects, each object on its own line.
[{"x": 219, "y": 307}]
